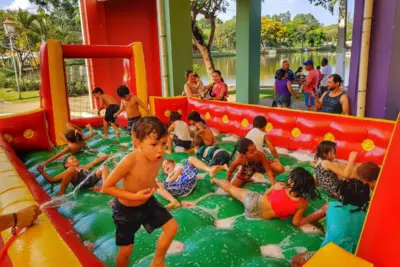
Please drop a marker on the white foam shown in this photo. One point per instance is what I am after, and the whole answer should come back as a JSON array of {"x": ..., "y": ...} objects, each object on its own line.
[
  {"x": 220, "y": 191},
  {"x": 226, "y": 223},
  {"x": 300, "y": 249},
  {"x": 302, "y": 155},
  {"x": 310, "y": 229},
  {"x": 175, "y": 247},
  {"x": 258, "y": 177},
  {"x": 271, "y": 250},
  {"x": 282, "y": 150},
  {"x": 230, "y": 138},
  {"x": 179, "y": 149}
]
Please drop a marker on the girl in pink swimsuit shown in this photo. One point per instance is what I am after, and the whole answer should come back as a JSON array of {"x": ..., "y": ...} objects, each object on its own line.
[{"x": 280, "y": 200}]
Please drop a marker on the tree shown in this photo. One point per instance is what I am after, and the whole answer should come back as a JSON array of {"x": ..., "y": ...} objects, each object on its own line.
[
  {"x": 315, "y": 37},
  {"x": 225, "y": 34},
  {"x": 272, "y": 32},
  {"x": 282, "y": 17},
  {"x": 208, "y": 9},
  {"x": 327, "y": 4},
  {"x": 307, "y": 19}
]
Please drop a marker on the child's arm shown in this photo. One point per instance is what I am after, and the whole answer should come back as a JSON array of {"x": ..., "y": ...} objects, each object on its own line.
[
  {"x": 101, "y": 105},
  {"x": 50, "y": 178},
  {"x": 200, "y": 128},
  {"x": 292, "y": 92},
  {"x": 176, "y": 175},
  {"x": 267, "y": 168},
  {"x": 298, "y": 216},
  {"x": 146, "y": 109},
  {"x": 232, "y": 168},
  {"x": 191, "y": 150},
  {"x": 74, "y": 127},
  {"x": 171, "y": 127},
  {"x": 95, "y": 162},
  {"x": 121, "y": 170},
  {"x": 53, "y": 158},
  {"x": 316, "y": 215},
  {"x": 90, "y": 135},
  {"x": 271, "y": 147},
  {"x": 344, "y": 173},
  {"x": 121, "y": 109}
]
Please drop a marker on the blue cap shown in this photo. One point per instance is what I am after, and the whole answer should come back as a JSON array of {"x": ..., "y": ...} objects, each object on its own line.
[{"x": 309, "y": 62}]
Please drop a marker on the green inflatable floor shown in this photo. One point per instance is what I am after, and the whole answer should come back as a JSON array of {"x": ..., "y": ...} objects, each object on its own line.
[{"x": 212, "y": 226}]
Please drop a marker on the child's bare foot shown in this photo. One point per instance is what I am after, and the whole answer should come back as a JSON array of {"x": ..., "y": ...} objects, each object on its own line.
[
  {"x": 106, "y": 136},
  {"x": 173, "y": 205},
  {"x": 212, "y": 181},
  {"x": 226, "y": 167},
  {"x": 117, "y": 134}
]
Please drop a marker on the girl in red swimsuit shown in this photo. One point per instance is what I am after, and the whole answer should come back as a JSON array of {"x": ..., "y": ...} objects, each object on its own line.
[
  {"x": 280, "y": 200},
  {"x": 250, "y": 160}
]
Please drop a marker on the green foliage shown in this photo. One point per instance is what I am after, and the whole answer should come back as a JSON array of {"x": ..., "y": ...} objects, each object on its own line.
[
  {"x": 77, "y": 88},
  {"x": 225, "y": 35},
  {"x": 29, "y": 85},
  {"x": 315, "y": 37},
  {"x": 272, "y": 31},
  {"x": 327, "y": 4},
  {"x": 196, "y": 68}
]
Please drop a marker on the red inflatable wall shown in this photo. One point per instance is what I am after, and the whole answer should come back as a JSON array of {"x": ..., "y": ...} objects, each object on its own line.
[
  {"x": 120, "y": 23},
  {"x": 293, "y": 130},
  {"x": 26, "y": 131},
  {"x": 379, "y": 241}
]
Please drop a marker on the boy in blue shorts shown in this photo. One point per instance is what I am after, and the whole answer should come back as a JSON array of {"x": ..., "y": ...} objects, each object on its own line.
[{"x": 134, "y": 205}]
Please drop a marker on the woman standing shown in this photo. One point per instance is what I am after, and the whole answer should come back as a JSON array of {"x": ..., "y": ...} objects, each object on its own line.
[
  {"x": 218, "y": 90},
  {"x": 283, "y": 90}
]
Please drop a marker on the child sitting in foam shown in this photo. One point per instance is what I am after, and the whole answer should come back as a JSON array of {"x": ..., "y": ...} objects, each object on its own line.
[{"x": 181, "y": 136}]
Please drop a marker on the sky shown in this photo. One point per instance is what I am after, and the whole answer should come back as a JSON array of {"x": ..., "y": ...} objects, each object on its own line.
[{"x": 269, "y": 7}]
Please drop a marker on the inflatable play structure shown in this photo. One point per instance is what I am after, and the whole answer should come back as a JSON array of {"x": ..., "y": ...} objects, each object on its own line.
[{"x": 213, "y": 230}]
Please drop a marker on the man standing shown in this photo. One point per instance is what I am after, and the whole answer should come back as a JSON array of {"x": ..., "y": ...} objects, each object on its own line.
[
  {"x": 334, "y": 100},
  {"x": 285, "y": 65},
  {"x": 311, "y": 84},
  {"x": 326, "y": 72}
]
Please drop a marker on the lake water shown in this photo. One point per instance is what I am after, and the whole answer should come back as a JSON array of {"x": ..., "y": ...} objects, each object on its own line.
[{"x": 269, "y": 64}]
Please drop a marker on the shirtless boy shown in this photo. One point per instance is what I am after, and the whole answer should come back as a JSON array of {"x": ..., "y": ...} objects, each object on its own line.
[
  {"x": 134, "y": 204},
  {"x": 112, "y": 107},
  {"x": 130, "y": 104},
  {"x": 76, "y": 174}
]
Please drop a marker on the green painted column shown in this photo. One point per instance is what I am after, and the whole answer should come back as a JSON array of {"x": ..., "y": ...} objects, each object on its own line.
[
  {"x": 248, "y": 39},
  {"x": 177, "y": 14}
]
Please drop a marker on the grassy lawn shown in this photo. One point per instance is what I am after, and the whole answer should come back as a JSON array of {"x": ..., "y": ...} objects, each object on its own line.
[
  {"x": 267, "y": 94},
  {"x": 10, "y": 95}
]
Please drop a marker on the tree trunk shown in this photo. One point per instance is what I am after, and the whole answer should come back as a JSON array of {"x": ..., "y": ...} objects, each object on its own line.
[
  {"x": 341, "y": 42},
  {"x": 203, "y": 48},
  {"x": 208, "y": 61}
]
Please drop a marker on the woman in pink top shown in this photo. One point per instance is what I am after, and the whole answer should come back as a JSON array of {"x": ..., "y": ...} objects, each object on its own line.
[{"x": 218, "y": 88}]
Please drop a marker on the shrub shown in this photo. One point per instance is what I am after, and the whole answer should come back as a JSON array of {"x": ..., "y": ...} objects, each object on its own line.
[
  {"x": 29, "y": 85},
  {"x": 77, "y": 88}
]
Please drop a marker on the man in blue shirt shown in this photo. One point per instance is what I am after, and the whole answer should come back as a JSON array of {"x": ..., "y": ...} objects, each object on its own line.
[{"x": 290, "y": 73}]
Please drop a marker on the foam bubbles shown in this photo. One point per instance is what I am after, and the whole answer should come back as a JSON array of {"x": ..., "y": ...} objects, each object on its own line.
[{"x": 273, "y": 251}]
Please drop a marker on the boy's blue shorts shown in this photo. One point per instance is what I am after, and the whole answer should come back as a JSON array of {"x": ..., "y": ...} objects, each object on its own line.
[{"x": 309, "y": 100}]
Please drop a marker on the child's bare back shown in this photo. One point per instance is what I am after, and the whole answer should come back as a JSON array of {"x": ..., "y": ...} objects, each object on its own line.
[{"x": 108, "y": 100}]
